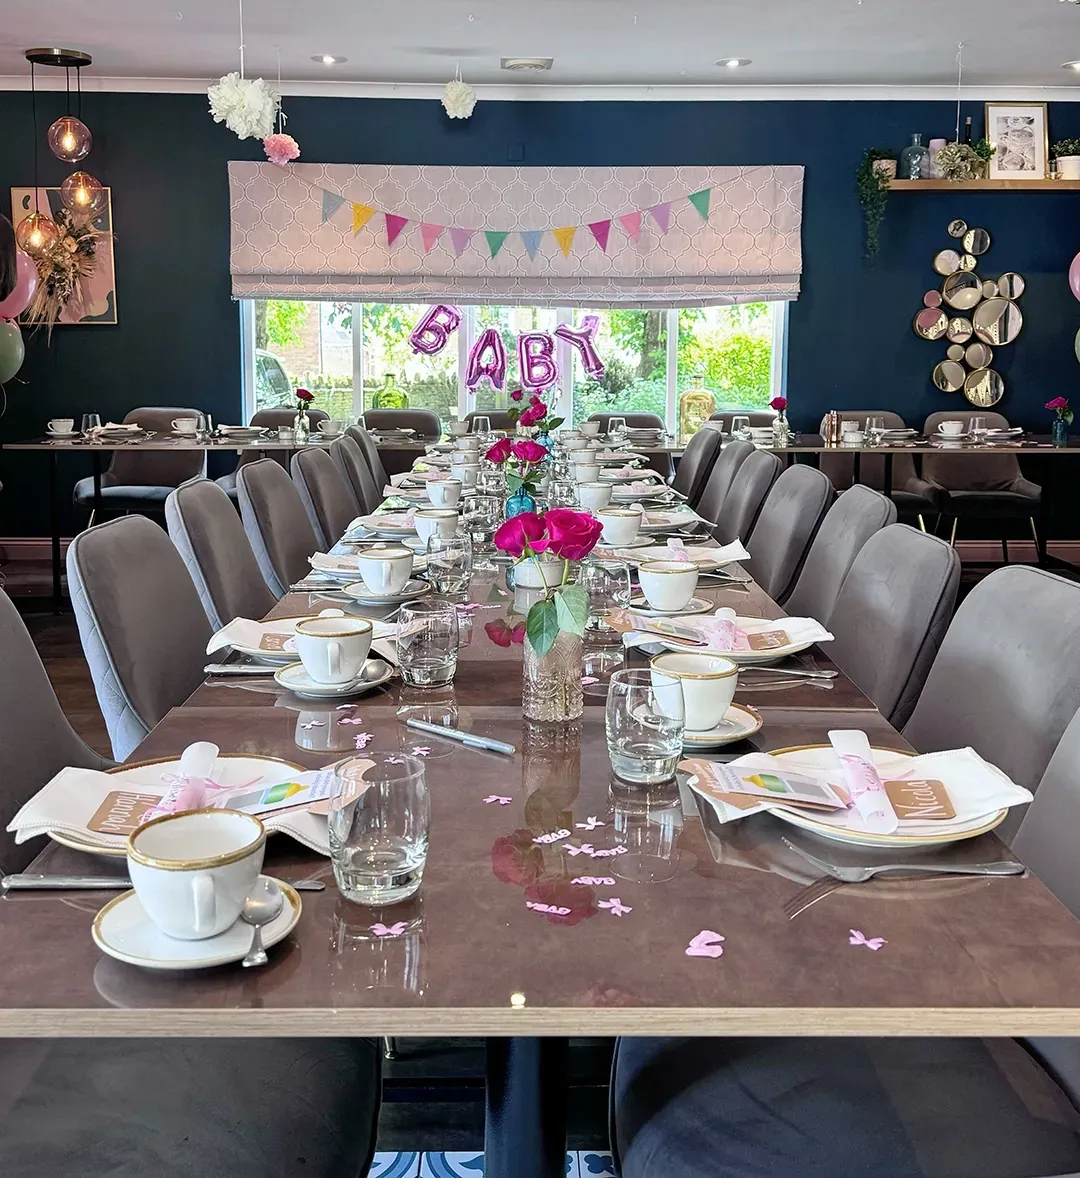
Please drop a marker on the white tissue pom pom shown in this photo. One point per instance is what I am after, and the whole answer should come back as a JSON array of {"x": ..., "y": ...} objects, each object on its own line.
[
  {"x": 458, "y": 99},
  {"x": 247, "y": 106}
]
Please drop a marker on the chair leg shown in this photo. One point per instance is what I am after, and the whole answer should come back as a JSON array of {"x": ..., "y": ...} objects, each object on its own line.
[
  {"x": 922, "y": 522},
  {"x": 1004, "y": 550},
  {"x": 1040, "y": 543},
  {"x": 91, "y": 523},
  {"x": 952, "y": 535},
  {"x": 389, "y": 1047}
]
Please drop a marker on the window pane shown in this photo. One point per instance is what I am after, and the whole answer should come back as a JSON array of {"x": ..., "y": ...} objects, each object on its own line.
[
  {"x": 633, "y": 346},
  {"x": 510, "y": 322},
  {"x": 397, "y": 378},
  {"x": 302, "y": 345}
]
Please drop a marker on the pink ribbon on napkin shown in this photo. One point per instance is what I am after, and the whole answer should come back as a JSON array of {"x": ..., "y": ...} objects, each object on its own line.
[
  {"x": 678, "y": 549},
  {"x": 190, "y": 793}
]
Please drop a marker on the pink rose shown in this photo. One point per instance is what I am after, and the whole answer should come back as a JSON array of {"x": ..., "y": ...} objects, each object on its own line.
[
  {"x": 499, "y": 632},
  {"x": 500, "y": 451},
  {"x": 303, "y": 395},
  {"x": 517, "y": 634},
  {"x": 1057, "y": 403},
  {"x": 533, "y": 414},
  {"x": 527, "y": 451},
  {"x": 572, "y": 535},
  {"x": 778, "y": 403},
  {"x": 516, "y": 395},
  {"x": 536, "y": 399},
  {"x": 519, "y": 532}
]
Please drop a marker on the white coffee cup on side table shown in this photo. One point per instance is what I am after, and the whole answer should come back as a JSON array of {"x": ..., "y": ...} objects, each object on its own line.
[
  {"x": 331, "y": 427},
  {"x": 467, "y": 442},
  {"x": 951, "y": 429},
  {"x": 586, "y": 472},
  {"x": 444, "y": 492},
  {"x": 61, "y": 425},
  {"x": 708, "y": 684},
  {"x": 334, "y": 650},
  {"x": 668, "y": 585},
  {"x": 465, "y": 471},
  {"x": 443, "y": 520},
  {"x": 186, "y": 426},
  {"x": 620, "y": 526},
  {"x": 386, "y": 570}
]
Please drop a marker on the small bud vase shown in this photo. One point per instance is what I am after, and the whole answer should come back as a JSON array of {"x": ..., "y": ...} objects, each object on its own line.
[
  {"x": 519, "y": 502},
  {"x": 1059, "y": 432},
  {"x": 301, "y": 426}
]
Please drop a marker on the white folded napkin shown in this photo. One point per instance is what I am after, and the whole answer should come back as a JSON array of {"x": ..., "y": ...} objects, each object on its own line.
[
  {"x": 113, "y": 427},
  {"x": 704, "y": 557},
  {"x": 248, "y": 634},
  {"x": 724, "y": 636},
  {"x": 389, "y": 519}
]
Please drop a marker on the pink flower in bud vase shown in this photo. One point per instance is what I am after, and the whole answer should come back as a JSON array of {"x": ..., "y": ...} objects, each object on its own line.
[
  {"x": 519, "y": 532},
  {"x": 528, "y": 451},
  {"x": 778, "y": 403},
  {"x": 1057, "y": 403},
  {"x": 500, "y": 451},
  {"x": 572, "y": 535},
  {"x": 535, "y": 413},
  {"x": 304, "y": 395},
  {"x": 516, "y": 395},
  {"x": 536, "y": 399}
]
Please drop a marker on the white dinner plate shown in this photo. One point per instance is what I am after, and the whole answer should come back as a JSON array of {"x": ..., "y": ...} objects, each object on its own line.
[
  {"x": 271, "y": 658},
  {"x": 294, "y": 678},
  {"x": 738, "y": 723},
  {"x": 696, "y": 605},
  {"x": 413, "y": 589},
  {"x": 670, "y": 521},
  {"x": 55, "y": 433},
  {"x": 628, "y": 495},
  {"x": 746, "y": 658},
  {"x": 124, "y": 931},
  {"x": 374, "y": 524}
]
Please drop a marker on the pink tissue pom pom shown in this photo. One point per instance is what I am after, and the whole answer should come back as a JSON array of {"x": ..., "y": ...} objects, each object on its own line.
[{"x": 280, "y": 149}]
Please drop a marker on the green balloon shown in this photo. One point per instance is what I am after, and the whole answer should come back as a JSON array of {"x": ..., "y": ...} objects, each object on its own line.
[
  {"x": 12, "y": 351},
  {"x": 1076, "y": 345}
]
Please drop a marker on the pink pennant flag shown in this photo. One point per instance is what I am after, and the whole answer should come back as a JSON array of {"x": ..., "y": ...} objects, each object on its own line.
[
  {"x": 459, "y": 239},
  {"x": 394, "y": 226},
  {"x": 661, "y": 214},
  {"x": 631, "y": 222},
  {"x": 430, "y": 235},
  {"x": 600, "y": 230}
]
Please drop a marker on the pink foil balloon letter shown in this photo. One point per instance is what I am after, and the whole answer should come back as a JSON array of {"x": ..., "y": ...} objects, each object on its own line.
[
  {"x": 429, "y": 336},
  {"x": 487, "y": 361},
  {"x": 537, "y": 366},
  {"x": 583, "y": 338}
]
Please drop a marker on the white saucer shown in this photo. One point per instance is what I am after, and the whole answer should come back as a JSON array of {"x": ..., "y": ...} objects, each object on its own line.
[
  {"x": 696, "y": 605},
  {"x": 625, "y": 495},
  {"x": 124, "y": 931},
  {"x": 637, "y": 542},
  {"x": 53, "y": 433},
  {"x": 295, "y": 679},
  {"x": 358, "y": 591},
  {"x": 738, "y": 723}
]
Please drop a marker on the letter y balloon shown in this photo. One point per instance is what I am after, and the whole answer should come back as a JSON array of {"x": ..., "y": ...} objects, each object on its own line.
[{"x": 584, "y": 339}]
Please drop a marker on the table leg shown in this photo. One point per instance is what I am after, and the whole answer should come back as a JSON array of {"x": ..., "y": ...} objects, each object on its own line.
[
  {"x": 856, "y": 467},
  {"x": 887, "y": 490},
  {"x": 54, "y": 527},
  {"x": 97, "y": 486},
  {"x": 525, "y": 1121}
]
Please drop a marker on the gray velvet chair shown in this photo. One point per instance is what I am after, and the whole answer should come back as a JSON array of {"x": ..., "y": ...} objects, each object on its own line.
[
  {"x": 786, "y": 526},
  {"x": 276, "y": 524},
  {"x": 327, "y": 498},
  {"x": 497, "y": 418},
  {"x": 425, "y": 421},
  {"x": 205, "y": 527},
  {"x": 1007, "y": 678},
  {"x": 142, "y": 625},
  {"x": 696, "y": 463},
  {"x": 353, "y": 467},
  {"x": 370, "y": 450},
  {"x": 717, "y": 485},
  {"x": 739, "y": 509},
  {"x": 268, "y": 419},
  {"x": 891, "y": 615},
  {"x": 855, "y": 516}
]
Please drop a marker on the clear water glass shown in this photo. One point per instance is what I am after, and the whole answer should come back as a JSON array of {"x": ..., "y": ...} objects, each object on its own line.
[
  {"x": 644, "y": 720},
  {"x": 616, "y": 427},
  {"x": 740, "y": 427},
  {"x": 90, "y": 421},
  {"x": 449, "y": 563},
  {"x": 491, "y": 481},
  {"x": 378, "y": 818},
  {"x": 482, "y": 426},
  {"x": 978, "y": 428},
  {"x": 427, "y": 643},
  {"x": 607, "y": 586},
  {"x": 875, "y": 428},
  {"x": 480, "y": 516},
  {"x": 562, "y": 492}
]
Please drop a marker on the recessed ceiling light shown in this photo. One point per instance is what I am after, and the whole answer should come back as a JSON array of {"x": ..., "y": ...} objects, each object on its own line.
[
  {"x": 526, "y": 65},
  {"x": 328, "y": 59},
  {"x": 1070, "y": 65},
  {"x": 733, "y": 63}
]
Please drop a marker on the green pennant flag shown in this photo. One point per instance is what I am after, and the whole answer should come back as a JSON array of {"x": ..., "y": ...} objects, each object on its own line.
[
  {"x": 700, "y": 201},
  {"x": 495, "y": 239}
]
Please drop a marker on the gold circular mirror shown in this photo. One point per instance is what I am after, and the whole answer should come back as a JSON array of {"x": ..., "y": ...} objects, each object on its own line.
[
  {"x": 998, "y": 321},
  {"x": 1011, "y": 285},
  {"x": 968, "y": 262},
  {"x": 984, "y": 387},
  {"x": 989, "y": 289},
  {"x": 932, "y": 298},
  {"x": 955, "y": 351},
  {"x": 946, "y": 262},
  {"x": 959, "y": 330},
  {"x": 957, "y": 228},
  {"x": 962, "y": 290},
  {"x": 949, "y": 376},
  {"x": 976, "y": 241},
  {"x": 979, "y": 355},
  {"x": 931, "y": 323}
]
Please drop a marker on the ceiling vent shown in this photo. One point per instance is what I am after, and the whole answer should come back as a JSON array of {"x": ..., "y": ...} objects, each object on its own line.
[{"x": 527, "y": 65}]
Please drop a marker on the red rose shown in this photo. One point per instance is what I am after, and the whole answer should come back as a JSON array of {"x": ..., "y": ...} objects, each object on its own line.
[
  {"x": 500, "y": 451},
  {"x": 532, "y": 415},
  {"x": 516, "y": 859},
  {"x": 516, "y": 395},
  {"x": 778, "y": 403},
  {"x": 1057, "y": 403},
  {"x": 499, "y": 632},
  {"x": 305, "y": 396},
  {"x": 527, "y": 451},
  {"x": 536, "y": 399},
  {"x": 572, "y": 535},
  {"x": 526, "y": 529},
  {"x": 517, "y": 634}
]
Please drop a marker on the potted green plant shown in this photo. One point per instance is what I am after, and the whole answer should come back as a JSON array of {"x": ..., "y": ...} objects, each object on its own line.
[
  {"x": 1067, "y": 154},
  {"x": 878, "y": 167}
]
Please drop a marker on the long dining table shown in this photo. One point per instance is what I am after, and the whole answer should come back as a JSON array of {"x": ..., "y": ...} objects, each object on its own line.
[{"x": 962, "y": 955}]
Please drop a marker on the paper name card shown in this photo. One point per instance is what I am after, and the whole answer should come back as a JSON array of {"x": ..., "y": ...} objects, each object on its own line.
[
  {"x": 277, "y": 642},
  {"x": 921, "y": 800},
  {"x": 769, "y": 640},
  {"x": 122, "y": 812}
]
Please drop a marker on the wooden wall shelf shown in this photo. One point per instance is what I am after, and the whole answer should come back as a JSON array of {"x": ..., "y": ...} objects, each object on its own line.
[{"x": 985, "y": 186}]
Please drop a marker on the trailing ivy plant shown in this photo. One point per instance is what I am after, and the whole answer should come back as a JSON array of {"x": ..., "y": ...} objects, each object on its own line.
[{"x": 872, "y": 188}]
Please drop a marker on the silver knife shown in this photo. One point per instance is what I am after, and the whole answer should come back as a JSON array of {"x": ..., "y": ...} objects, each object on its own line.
[
  {"x": 13, "y": 883},
  {"x": 236, "y": 669}
]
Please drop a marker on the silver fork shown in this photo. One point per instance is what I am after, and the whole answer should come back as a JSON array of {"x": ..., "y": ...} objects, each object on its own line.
[
  {"x": 810, "y": 895},
  {"x": 846, "y": 874}
]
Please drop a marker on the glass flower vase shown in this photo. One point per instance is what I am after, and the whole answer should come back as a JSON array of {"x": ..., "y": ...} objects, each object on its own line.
[
  {"x": 301, "y": 426},
  {"x": 519, "y": 502},
  {"x": 551, "y": 689},
  {"x": 1059, "y": 432}
]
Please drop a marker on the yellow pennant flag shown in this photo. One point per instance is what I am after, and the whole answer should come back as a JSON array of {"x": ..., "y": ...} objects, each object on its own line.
[
  {"x": 361, "y": 214},
  {"x": 565, "y": 238}
]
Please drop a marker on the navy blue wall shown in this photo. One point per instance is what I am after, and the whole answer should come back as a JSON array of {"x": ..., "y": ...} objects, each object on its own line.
[{"x": 850, "y": 344}]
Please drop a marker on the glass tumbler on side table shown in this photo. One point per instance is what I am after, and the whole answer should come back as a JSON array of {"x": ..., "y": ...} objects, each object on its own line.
[
  {"x": 644, "y": 723},
  {"x": 90, "y": 422},
  {"x": 427, "y": 643},
  {"x": 740, "y": 427},
  {"x": 875, "y": 429}
]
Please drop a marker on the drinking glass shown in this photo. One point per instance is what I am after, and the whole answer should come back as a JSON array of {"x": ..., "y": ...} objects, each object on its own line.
[
  {"x": 978, "y": 428},
  {"x": 562, "y": 492},
  {"x": 482, "y": 426},
  {"x": 740, "y": 427},
  {"x": 378, "y": 817},
  {"x": 616, "y": 427},
  {"x": 202, "y": 426},
  {"x": 646, "y": 822},
  {"x": 644, "y": 723},
  {"x": 607, "y": 586},
  {"x": 90, "y": 421},
  {"x": 480, "y": 516},
  {"x": 449, "y": 563},
  {"x": 875, "y": 427},
  {"x": 427, "y": 643},
  {"x": 491, "y": 481}
]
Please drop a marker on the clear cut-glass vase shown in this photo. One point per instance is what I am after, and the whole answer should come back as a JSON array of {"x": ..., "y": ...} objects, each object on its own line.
[
  {"x": 301, "y": 425},
  {"x": 551, "y": 689}
]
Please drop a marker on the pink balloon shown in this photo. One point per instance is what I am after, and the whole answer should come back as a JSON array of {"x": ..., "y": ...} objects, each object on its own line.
[
  {"x": 487, "y": 361},
  {"x": 429, "y": 336},
  {"x": 1074, "y": 276},
  {"x": 537, "y": 366},
  {"x": 26, "y": 284},
  {"x": 583, "y": 339}
]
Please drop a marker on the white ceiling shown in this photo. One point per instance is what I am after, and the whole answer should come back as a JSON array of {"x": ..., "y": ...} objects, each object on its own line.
[{"x": 659, "y": 43}]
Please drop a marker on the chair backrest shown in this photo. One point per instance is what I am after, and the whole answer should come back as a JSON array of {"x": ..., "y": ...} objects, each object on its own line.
[
  {"x": 155, "y": 468},
  {"x": 717, "y": 485},
  {"x": 739, "y": 510},
  {"x": 985, "y": 471},
  {"x": 1007, "y": 678},
  {"x": 891, "y": 614},
  {"x": 696, "y": 463},
  {"x": 425, "y": 421},
  {"x": 350, "y": 461},
  {"x": 204, "y": 525},
  {"x": 633, "y": 420},
  {"x": 497, "y": 418},
  {"x": 143, "y": 628},
  {"x": 274, "y": 419},
  {"x": 841, "y": 467},
  {"x": 326, "y": 496},
  {"x": 855, "y": 516},
  {"x": 276, "y": 524},
  {"x": 788, "y": 521},
  {"x": 370, "y": 450},
  {"x": 35, "y": 734},
  {"x": 758, "y": 417}
]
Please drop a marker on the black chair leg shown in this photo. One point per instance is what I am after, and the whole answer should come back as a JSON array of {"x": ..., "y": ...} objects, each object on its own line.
[
  {"x": 1004, "y": 550},
  {"x": 1040, "y": 543}
]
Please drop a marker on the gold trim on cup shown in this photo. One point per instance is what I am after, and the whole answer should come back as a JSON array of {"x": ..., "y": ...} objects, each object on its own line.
[
  {"x": 334, "y": 633},
  {"x": 649, "y": 566},
  {"x": 694, "y": 674},
  {"x": 222, "y": 860}
]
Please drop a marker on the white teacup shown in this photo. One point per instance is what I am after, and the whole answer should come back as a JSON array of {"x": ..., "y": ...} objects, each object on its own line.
[
  {"x": 590, "y": 429},
  {"x": 430, "y": 521},
  {"x": 334, "y": 650},
  {"x": 708, "y": 685},
  {"x": 467, "y": 442},
  {"x": 457, "y": 429},
  {"x": 444, "y": 492},
  {"x": 465, "y": 471},
  {"x": 854, "y": 437},
  {"x": 594, "y": 496},
  {"x": 668, "y": 585},
  {"x": 951, "y": 429},
  {"x": 619, "y": 526},
  {"x": 577, "y": 442},
  {"x": 847, "y": 427},
  {"x": 330, "y": 426},
  {"x": 586, "y": 472},
  {"x": 185, "y": 425},
  {"x": 193, "y": 871},
  {"x": 61, "y": 425},
  {"x": 385, "y": 570}
]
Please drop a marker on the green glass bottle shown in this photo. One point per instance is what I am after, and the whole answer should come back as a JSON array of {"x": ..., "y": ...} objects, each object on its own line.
[{"x": 390, "y": 396}]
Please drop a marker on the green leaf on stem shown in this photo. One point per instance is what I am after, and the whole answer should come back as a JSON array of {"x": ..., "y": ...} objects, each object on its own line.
[
  {"x": 542, "y": 626},
  {"x": 572, "y": 608},
  {"x": 514, "y": 483},
  {"x": 554, "y": 423}
]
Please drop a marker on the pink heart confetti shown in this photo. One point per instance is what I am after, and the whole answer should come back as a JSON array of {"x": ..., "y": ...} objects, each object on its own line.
[
  {"x": 584, "y": 849},
  {"x": 594, "y": 881},
  {"x": 315, "y": 724},
  {"x": 587, "y": 679},
  {"x": 420, "y": 750},
  {"x": 491, "y": 798},
  {"x": 363, "y": 739},
  {"x": 706, "y": 944},
  {"x": 590, "y": 823},
  {"x": 615, "y": 906},
  {"x": 858, "y": 938},
  {"x": 554, "y": 837},
  {"x": 394, "y": 930},
  {"x": 349, "y": 720}
]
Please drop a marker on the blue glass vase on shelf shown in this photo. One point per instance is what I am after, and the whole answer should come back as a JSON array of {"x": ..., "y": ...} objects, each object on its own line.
[{"x": 520, "y": 501}]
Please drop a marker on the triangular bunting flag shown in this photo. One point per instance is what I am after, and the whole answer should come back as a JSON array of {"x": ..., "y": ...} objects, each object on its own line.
[
  {"x": 430, "y": 235},
  {"x": 631, "y": 222},
  {"x": 361, "y": 214},
  {"x": 394, "y": 226},
  {"x": 700, "y": 201},
  {"x": 661, "y": 214},
  {"x": 531, "y": 240},
  {"x": 601, "y": 231},
  {"x": 565, "y": 238},
  {"x": 495, "y": 239},
  {"x": 331, "y": 202},
  {"x": 459, "y": 239}
]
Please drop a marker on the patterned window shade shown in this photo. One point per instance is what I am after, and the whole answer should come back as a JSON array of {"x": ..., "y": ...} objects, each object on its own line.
[{"x": 596, "y": 237}]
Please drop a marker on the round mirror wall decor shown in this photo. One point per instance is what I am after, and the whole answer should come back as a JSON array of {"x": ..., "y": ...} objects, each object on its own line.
[
  {"x": 932, "y": 298},
  {"x": 984, "y": 387},
  {"x": 954, "y": 352},
  {"x": 989, "y": 289},
  {"x": 979, "y": 355},
  {"x": 959, "y": 330},
  {"x": 957, "y": 228},
  {"x": 976, "y": 241},
  {"x": 931, "y": 323},
  {"x": 968, "y": 262},
  {"x": 1011, "y": 286},
  {"x": 998, "y": 321},
  {"x": 962, "y": 290},
  {"x": 946, "y": 262},
  {"x": 949, "y": 376}
]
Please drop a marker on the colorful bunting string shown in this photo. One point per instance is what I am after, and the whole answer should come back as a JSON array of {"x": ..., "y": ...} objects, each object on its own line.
[
  {"x": 495, "y": 240},
  {"x": 430, "y": 235},
  {"x": 361, "y": 214}
]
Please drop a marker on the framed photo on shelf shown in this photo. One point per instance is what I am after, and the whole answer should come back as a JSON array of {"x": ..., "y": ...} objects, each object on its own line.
[{"x": 1018, "y": 130}]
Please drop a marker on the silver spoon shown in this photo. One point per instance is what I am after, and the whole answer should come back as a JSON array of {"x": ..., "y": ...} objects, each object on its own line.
[{"x": 261, "y": 907}]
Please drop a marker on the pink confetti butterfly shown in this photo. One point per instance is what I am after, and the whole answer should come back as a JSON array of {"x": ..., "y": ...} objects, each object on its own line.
[
  {"x": 363, "y": 739},
  {"x": 706, "y": 944},
  {"x": 589, "y": 824},
  {"x": 349, "y": 720},
  {"x": 395, "y": 930},
  {"x": 594, "y": 881},
  {"x": 858, "y": 938},
  {"x": 584, "y": 849},
  {"x": 491, "y": 798},
  {"x": 616, "y": 906},
  {"x": 315, "y": 724},
  {"x": 420, "y": 750}
]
